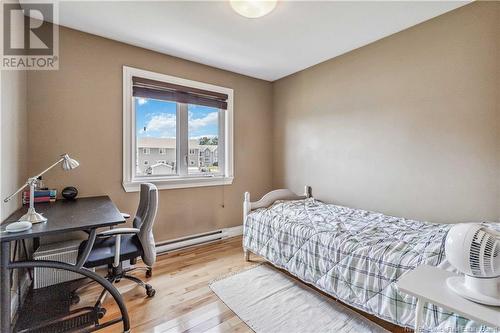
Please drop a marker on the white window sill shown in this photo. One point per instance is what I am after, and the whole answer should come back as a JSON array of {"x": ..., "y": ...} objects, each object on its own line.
[{"x": 166, "y": 184}]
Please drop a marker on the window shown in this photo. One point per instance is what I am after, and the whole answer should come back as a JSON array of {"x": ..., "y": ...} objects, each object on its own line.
[
  {"x": 191, "y": 122},
  {"x": 203, "y": 131}
]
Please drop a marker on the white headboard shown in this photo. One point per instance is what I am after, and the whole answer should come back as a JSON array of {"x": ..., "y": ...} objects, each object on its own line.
[{"x": 269, "y": 198}]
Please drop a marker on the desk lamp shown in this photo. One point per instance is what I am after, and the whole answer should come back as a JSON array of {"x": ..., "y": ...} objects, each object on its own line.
[{"x": 32, "y": 216}]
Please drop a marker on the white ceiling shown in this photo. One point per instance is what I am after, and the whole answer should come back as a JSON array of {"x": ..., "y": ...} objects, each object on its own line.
[{"x": 296, "y": 35}]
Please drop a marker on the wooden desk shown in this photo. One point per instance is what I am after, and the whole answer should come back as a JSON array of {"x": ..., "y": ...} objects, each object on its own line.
[{"x": 84, "y": 214}]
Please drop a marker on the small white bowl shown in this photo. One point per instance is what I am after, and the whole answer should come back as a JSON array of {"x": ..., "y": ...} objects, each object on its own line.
[{"x": 18, "y": 226}]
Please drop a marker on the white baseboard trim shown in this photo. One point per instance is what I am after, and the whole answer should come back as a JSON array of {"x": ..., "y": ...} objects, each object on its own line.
[
  {"x": 196, "y": 239},
  {"x": 234, "y": 231}
]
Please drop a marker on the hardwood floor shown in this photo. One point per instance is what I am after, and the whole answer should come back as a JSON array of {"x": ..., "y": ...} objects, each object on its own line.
[{"x": 183, "y": 300}]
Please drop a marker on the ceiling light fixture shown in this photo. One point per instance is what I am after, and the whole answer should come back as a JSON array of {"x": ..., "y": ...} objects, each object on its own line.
[{"x": 253, "y": 8}]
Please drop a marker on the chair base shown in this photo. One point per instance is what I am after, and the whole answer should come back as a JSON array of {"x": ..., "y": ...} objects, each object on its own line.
[{"x": 114, "y": 275}]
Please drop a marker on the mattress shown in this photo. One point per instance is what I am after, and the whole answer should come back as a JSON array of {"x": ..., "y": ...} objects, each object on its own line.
[{"x": 354, "y": 255}]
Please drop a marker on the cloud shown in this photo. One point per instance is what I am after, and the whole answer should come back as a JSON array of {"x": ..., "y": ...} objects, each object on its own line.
[
  {"x": 210, "y": 119},
  {"x": 141, "y": 101},
  {"x": 163, "y": 124},
  {"x": 197, "y": 137}
]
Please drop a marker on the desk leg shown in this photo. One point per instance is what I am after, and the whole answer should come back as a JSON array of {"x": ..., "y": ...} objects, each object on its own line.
[
  {"x": 87, "y": 273},
  {"x": 5, "y": 287},
  {"x": 419, "y": 313}
]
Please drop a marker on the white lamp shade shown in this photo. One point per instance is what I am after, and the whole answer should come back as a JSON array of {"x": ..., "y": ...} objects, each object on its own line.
[
  {"x": 69, "y": 163},
  {"x": 253, "y": 8}
]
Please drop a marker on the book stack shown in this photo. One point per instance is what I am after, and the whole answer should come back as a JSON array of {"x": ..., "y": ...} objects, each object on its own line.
[{"x": 40, "y": 196}]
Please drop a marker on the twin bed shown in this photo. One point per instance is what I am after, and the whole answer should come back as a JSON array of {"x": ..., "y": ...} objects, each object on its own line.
[{"x": 354, "y": 255}]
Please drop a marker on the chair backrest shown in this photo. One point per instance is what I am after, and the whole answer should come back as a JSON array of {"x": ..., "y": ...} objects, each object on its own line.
[{"x": 144, "y": 220}]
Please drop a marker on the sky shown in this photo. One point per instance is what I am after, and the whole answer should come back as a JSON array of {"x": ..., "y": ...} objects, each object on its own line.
[{"x": 156, "y": 118}]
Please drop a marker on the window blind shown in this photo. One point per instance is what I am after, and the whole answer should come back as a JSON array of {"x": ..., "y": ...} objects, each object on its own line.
[{"x": 148, "y": 88}]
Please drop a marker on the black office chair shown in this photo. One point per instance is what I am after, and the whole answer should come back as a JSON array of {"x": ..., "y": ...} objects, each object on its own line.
[{"x": 113, "y": 247}]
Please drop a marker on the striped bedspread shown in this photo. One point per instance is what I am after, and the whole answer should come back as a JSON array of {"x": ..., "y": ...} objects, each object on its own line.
[{"x": 354, "y": 255}]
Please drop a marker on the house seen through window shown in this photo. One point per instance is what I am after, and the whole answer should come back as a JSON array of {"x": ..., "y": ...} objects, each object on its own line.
[{"x": 156, "y": 134}]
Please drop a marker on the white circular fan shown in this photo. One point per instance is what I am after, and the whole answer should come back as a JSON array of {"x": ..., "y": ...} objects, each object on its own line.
[{"x": 475, "y": 250}]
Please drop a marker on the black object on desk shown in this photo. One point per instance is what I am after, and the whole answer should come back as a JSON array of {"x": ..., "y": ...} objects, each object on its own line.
[
  {"x": 85, "y": 214},
  {"x": 69, "y": 192}
]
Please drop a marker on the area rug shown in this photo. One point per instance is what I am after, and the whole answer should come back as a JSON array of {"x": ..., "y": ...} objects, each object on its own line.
[{"x": 269, "y": 301}]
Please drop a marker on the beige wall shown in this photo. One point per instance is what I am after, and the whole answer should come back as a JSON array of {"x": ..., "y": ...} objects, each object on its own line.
[
  {"x": 409, "y": 125},
  {"x": 78, "y": 109},
  {"x": 13, "y": 152},
  {"x": 14, "y": 143}
]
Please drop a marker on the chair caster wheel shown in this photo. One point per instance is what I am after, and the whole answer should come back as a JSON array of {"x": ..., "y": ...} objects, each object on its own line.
[
  {"x": 100, "y": 312},
  {"x": 150, "y": 291},
  {"x": 149, "y": 273},
  {"x": 74, "y": 298}
]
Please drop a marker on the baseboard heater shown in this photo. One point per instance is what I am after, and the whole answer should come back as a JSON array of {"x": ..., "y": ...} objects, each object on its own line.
[
  {"x": 61, "y": 251},
  {"x": 197, "y": 239}
]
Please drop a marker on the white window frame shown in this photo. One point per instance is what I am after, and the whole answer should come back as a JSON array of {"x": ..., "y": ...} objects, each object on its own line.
[{"x": 131, "y": 182}]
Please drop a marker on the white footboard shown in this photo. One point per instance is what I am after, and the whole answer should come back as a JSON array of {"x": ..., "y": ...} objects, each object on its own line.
[{"x": 266, "y": 201}]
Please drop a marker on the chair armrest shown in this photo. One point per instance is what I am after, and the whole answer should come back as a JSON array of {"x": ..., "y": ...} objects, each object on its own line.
[
  {"x": 118, "y": 231},
  {"x": 125, "y": 215}
]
